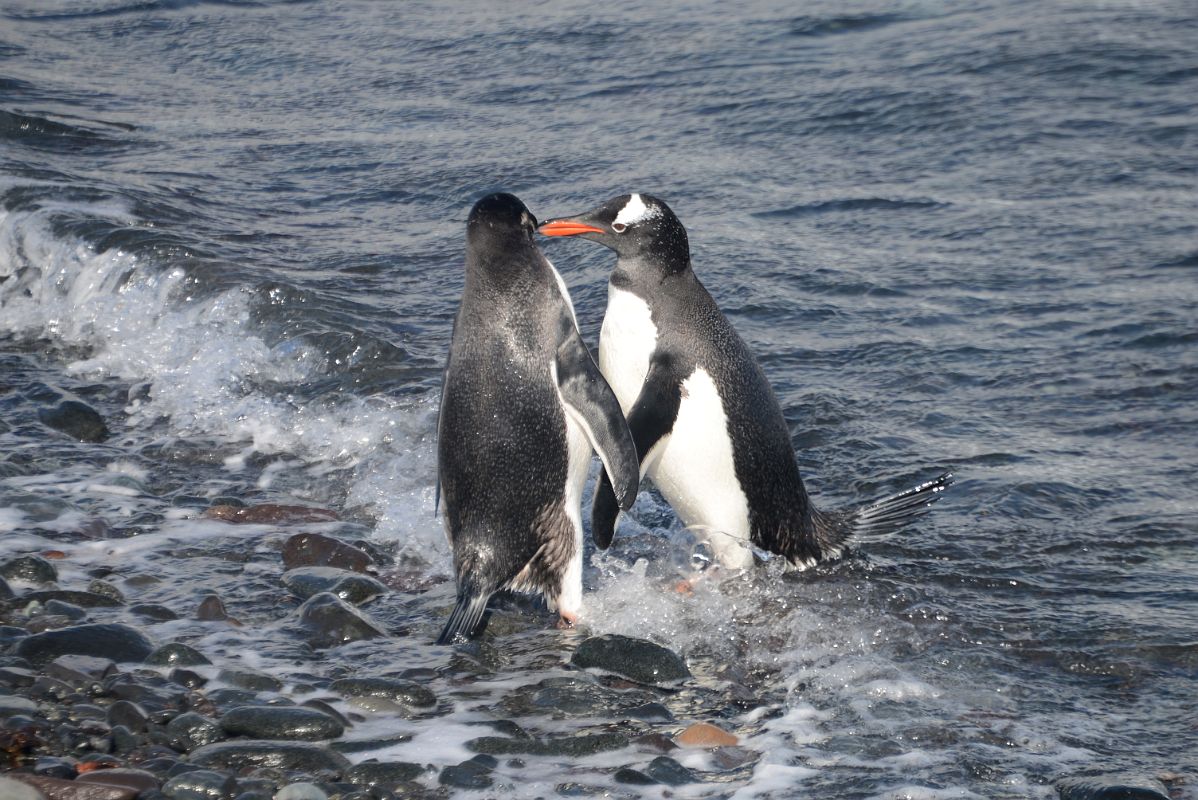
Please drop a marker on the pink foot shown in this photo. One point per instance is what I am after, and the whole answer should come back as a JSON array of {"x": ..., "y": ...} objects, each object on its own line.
[{"x": 566, "y": 620}]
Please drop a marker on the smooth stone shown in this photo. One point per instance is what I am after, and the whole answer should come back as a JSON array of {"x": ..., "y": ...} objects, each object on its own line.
[
  {"x": 295, "y": 756},
  {"x": 17, "y": 677},
  {"x": 664, "y": 769},
  {"x": 703, "y": 734},
  {"x": 406, "y": 692},
  {"x": 1112, "y": 786},
  {"x": 575, "y": 746},
  {"x": 60, "y": 609},
  {"x": 75, "y": 419},
  {"x": 79, "y": 669},
  {"x": 12, "y": 705},
  {"x": 269, "y": 514},
  {"x": 106, "y": 589},
  {"x": 18, "y": 790},
  {"x": 139, "y": 780},
  {"x": 575, "y": 696},
  {"x": 280, "y": 722},
  {"x": 352, "y": 587},
  {"x": 372, "y": 773},
  {"x": 300, "y": 791},
  {"x": 121, "y": 643},
  {"x": 60, "y": 789},
  {"x": 467, "y": 775},
  {"x": 329, "y": 621},
  {"x": 30, "y": 569},
  {"x": 187, "y": 677},
  {"x": 200, "y": 784},
  {"x": 632, "y": 776},
  {"x": 253, "y": 681},
  {"x": 53, "y": 767},
  {"x": 6, "y": 592},
  {"x": 212, "y": 609},
  {"x": 315, "y": 550},
  {"x": 650, "y": 712},
  {"x": 637, "y": 659},
  {"x": 129, "y": 714},
  {"x": 154, "y": 612},
  {"x": 368, "y": 745},
  {"x": 176, "y": 654},
  {"x": 190, "y": 730}
]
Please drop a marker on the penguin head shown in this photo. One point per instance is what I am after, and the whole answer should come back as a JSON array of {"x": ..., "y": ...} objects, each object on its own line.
[
  {"x": 499, "y": 217},
  {"x": 636, "y": 226}
]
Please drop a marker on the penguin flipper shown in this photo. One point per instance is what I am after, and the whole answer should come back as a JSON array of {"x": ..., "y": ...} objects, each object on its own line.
[
  {"x": 591, "y": 403},
  {"x": 467, "y": 619},
  {"x": 650, "y": 420}
]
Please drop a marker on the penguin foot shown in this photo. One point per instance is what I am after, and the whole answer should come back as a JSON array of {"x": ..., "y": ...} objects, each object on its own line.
[{"x": 566, "y": 620}]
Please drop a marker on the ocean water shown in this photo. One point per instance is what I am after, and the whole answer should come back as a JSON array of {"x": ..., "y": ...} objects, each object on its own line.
[{"x": 956, "y": 236}]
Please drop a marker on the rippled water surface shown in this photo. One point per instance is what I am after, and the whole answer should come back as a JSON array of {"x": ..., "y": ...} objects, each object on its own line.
[{"x": 956, "y": 237}]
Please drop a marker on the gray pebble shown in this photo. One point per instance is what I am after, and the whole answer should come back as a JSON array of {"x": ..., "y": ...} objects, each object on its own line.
[
  {"x": 637, "y": 659},
  {"x": 121, "y": 643},
  {"x": 280, "y": 722}
]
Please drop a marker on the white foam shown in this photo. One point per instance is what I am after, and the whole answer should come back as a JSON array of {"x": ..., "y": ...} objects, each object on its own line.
[{"x": 201, "y": 360}]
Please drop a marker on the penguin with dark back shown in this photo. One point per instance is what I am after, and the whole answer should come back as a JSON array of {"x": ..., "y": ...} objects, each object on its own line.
[
  {"x": 522, "y": 405},
  {"x": 706, "y": 423}
]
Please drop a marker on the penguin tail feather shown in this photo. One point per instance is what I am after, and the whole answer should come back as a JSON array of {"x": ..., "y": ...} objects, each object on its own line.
[
  {"x": 468, "y": 618},
  {"x": 892, "y": 513}
]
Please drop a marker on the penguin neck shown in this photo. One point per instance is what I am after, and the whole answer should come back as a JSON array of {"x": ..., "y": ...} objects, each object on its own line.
[{"x": 646, "y": 271}]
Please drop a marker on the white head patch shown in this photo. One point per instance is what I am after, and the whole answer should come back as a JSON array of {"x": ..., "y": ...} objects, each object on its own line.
[{"x": 635, "y": 211}]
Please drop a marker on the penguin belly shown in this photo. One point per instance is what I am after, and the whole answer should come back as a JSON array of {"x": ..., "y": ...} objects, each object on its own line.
[
  {"x": 626, "y": 342},
  {"x": 693, "y": 468}
]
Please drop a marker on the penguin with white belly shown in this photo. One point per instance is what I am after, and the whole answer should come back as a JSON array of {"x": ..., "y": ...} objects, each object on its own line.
[
  {"x": 707, "y": 426},
  {"x": 522, "y": 405}
]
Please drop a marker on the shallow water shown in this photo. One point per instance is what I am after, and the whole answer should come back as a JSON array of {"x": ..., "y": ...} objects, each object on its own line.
[{"x": 956, "y": 238}]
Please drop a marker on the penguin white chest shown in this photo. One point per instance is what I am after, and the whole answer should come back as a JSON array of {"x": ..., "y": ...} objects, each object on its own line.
[
  {"x": 626, "y": 342},
  {"x": 693, "y": 467}
]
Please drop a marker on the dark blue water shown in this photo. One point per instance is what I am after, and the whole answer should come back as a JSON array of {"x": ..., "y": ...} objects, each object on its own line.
[{"x": 955, "y": 237}]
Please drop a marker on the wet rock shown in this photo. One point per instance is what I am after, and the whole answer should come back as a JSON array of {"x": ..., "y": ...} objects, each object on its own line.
[
  {"x": 1114, "y": 786},
  {"x": 254, "y": 681},
  {"x": 664, "y": 769},
  {"x": 328, "y": 622},
  {"x": 136, "y": 780},
  {"x": 12, "y": 705},
  {"x": 6, "y": 592},
  {"x": 472, "y": 774},
  {"x": 703, "y": 734},
  {"x": 406, "y": 692},
  {"x": 80, "y": 670},
  {"x": 17, "y": 677},
  {"x": 637, "y": 659},
  {"x": 75, "y": 419},
  {"x": 83, "y": 599},
  {"x": 60, "y": 789},
  {"x": 30, "y": 569},
  {"x": 129, "y": 714},
  {"x": 352, "y": 587},
  {"x": 58, "y": 608},
  {"x": 572, "y": 696},
  {"x": 120, "y": 643},
  {"x": 106, "y": 589},
  {"x": 17, "y": 790},
  {"x": 726, "y": 759},
  {"x": 287, "y": 756},
  {"x": 53, "y": 767},
  {"x": 650, "y": 712},
  {"x": 574, "y": 746},
  {"x": 372, "y": 773},
  {"x": 632, "y": 776},
  {"x": 201, "y": 784},
  {"x": 368, "y": 745},
  {"x": 300, "y": 791},
  {"x": 154, "y": 612},
  {"x": 280, "y": 722},
  {"x": 188, "y": 731},
  {"x": 10, "y": 634},
  {"x": 176, "y": 654},
  {"x": 270, "y": 514},
  {"x": 314, "y": 550},
  {"x": 212, "y": 609},
  {"x": 187, "y": 677},
  {"x": 325, "y": 708}
]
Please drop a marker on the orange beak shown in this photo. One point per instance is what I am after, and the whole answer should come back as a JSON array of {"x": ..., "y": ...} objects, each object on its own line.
[{"x": 565, "y": 227}]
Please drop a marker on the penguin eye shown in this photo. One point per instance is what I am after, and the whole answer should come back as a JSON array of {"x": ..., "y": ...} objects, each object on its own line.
[{"x": 619, "y": 227}]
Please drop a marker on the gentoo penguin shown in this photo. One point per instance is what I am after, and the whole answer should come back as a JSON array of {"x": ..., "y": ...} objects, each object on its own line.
[
  {"x": 522, "y": 404},
  {"x": 706, "y": 423}
]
